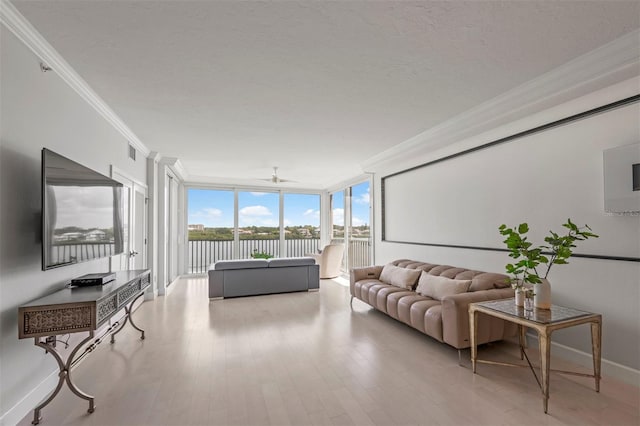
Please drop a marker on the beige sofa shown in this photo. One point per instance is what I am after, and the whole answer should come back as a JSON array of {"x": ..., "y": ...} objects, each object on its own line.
[{"x": 434, "y": 299}]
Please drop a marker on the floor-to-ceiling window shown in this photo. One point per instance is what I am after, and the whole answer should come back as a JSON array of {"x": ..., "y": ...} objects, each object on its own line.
[
  {"x": 258, "y": 224},
  {"x": 233, "y": 224},
  {"x": 359, "y": 235},
  {"x": 337, "y": 200},
  {"x": 301, "y": 223},
  {"x": 337, "y": 216},
  {"x": 211, "y": 224}
]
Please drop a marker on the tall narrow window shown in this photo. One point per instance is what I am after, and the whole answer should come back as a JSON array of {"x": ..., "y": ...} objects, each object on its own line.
[
  {"x": 360, "y": 230},
  {"x": 337, "y": 216}
]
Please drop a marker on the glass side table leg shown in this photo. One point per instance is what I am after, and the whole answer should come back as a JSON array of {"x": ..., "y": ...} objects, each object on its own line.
[
  {"x": 473, "y": 335},
  {"x": 545, "y": 359},
  {"x": 596, "y": 348}
]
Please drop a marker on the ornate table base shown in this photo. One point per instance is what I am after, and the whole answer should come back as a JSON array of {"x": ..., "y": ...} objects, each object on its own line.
[{"x": 65, "y": 367}]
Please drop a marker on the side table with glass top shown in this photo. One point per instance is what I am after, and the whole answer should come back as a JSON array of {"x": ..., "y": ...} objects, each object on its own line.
[{"x": 544, "y": 322}]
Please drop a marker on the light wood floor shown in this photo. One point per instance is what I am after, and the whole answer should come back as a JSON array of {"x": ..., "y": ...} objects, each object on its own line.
[{"x": 307, "y": 359}]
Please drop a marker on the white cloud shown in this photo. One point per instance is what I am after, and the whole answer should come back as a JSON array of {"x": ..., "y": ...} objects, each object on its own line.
[
  {"x": 355, "y": 221},
  {"x": 252, "y": 211},
  {"x": 256, "y": 216},
  {"x": 315, "y": 214},
  {"x": 338, "y": 217},
  {"x": 363, "y": 198},
  {"x": 212, "y": 212},
  {"x": 258, "y": 194},
  {"x": 208, "y": 216}
]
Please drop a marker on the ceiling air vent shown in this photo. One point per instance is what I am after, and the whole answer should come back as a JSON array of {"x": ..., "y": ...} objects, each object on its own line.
[{"x": 132, "y": 152}]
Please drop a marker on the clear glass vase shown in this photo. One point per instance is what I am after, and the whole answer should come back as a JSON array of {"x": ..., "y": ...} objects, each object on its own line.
[{"x": 520, "y": 297}]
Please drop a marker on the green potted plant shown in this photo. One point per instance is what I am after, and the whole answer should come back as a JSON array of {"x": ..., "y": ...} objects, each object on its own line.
[
  {"x": 534, "y": 262},
  {"x": 260, "y": 255}
]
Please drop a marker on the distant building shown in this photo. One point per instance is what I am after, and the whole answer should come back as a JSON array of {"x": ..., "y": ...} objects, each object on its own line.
[
  {"x": 68, "y": 236},
  {"x": 95, "y": 235},
  {"x": 197, "y": 227}
]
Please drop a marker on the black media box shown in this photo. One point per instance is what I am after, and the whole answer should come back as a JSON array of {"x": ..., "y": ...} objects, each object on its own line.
[{"x": 93, "y": 279}]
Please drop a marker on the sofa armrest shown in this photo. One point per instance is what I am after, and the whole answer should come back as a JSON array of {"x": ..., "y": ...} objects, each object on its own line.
[
  {"x": 216, "y": 284},
  {"x": 368, "y": 272},
  {"x": 455, "y": 315}
]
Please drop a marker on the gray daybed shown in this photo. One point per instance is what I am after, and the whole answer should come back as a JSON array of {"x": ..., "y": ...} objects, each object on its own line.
[{"x": 251, "y": 277}]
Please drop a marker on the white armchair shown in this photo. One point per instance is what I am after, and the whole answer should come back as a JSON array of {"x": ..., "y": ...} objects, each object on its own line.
[{"x": 329, "y": 260}]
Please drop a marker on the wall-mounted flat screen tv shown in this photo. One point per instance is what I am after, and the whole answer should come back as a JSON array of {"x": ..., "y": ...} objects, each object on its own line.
[{"x": 82, "y": 213}]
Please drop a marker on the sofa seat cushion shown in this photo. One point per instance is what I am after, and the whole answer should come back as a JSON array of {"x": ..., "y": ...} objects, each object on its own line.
[
  {"x": 438, "y": 287},
  {"x": 405, "y": 304},
  {"x": 384, "y": 293},
  {"x": 393, "y": 299},
  {"x": 372, "y": 296},
  {"x": 417, "y": 312},
  {"x": 432, "y": 320},
  {"x": 400, "y": 277},
  {"x": 361, "y": 288}
]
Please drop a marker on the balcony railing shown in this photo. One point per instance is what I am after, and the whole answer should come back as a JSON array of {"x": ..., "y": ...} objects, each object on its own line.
[
  {"x": 63, "y": 253},
  {"x": 202, "y": 253},
  {"x": 359, "y": 252}
]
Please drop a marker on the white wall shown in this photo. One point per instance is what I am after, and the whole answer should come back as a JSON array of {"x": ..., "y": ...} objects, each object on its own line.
[
  {"x": 39, "y": 110},
  {"x": 542, "y": 180}
]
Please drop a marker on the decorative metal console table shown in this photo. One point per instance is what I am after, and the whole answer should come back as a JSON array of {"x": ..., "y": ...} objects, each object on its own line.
[
  {"x": 79, "y": 309},
  {"x": 544, "y": 321}
]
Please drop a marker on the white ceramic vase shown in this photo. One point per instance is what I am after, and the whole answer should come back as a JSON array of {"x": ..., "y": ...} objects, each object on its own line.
[
  {"x": 542, "y": 294},
  {"x": 519, "y": 297}
]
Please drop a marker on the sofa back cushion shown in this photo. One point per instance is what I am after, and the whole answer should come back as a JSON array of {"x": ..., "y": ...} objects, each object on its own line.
[
  {"x": 400, "y": 277},
  {"x": 488, "y": 281},
  {"x": 479, "y": 280},
  {"x": 437, "y": 287}
]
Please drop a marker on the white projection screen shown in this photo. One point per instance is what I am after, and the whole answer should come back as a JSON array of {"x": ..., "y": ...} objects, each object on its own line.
[{"x": 542, "y": 177}]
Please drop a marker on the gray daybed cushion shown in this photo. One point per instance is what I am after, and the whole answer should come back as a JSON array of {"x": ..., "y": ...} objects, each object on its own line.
[
  {"x": 240, "y": 264},
  {"x": 291, "y": 261}
]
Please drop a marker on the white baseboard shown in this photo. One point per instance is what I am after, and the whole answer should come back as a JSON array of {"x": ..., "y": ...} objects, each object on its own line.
[
  {"x": 26, "y": 405},
  {"x": 608, "y": 369},
  {"x": 150, "y": 294}
]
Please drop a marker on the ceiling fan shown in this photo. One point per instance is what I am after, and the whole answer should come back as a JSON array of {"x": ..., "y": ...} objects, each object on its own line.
[{"x": 275, "y": 179}]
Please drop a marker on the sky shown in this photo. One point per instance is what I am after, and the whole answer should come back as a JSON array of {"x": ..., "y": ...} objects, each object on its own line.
[{"x": 214, "y": 208}]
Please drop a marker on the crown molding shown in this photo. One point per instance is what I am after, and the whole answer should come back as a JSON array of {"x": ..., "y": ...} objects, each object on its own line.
[
  {"x": 609, "y": 64},
  {"x": 176, "y": 167},
  {"x": 13, "y": 20}
]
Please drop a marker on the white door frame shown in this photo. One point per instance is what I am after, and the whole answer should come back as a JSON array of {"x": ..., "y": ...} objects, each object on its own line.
[{"x": 134, "y": 186}]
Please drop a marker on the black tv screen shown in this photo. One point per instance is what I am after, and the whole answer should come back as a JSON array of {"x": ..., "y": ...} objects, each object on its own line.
[{"x": 82, "y": 213}]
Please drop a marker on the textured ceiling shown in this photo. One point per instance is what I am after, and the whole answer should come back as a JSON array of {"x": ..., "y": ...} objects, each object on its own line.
[{"x": 233, "y": 88}]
